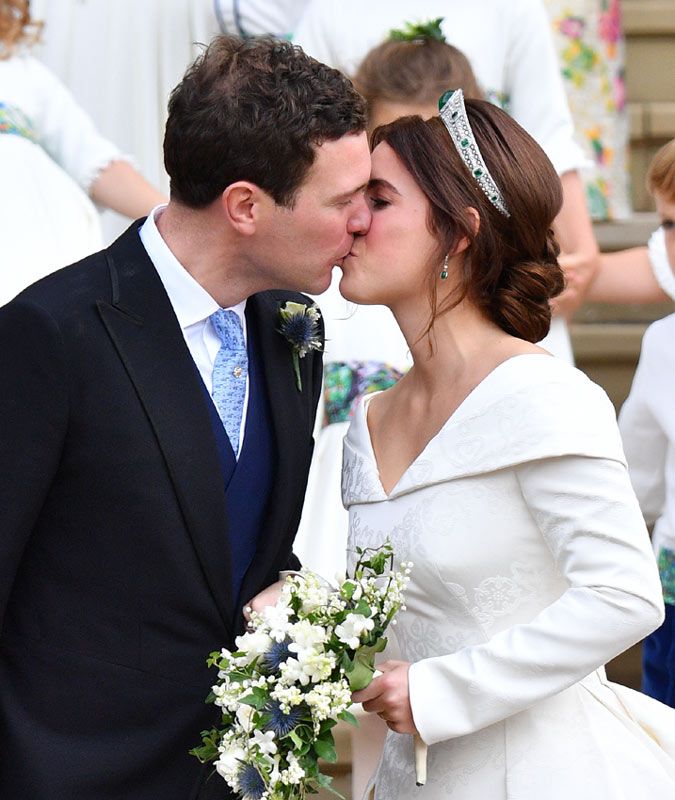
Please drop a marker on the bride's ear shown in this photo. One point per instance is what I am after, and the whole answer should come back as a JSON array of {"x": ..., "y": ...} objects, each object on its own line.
[{"x": 473, "y": 219}]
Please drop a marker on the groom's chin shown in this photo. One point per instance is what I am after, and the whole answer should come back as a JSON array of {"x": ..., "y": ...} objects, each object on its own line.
[{"x": 321, "y": 284}]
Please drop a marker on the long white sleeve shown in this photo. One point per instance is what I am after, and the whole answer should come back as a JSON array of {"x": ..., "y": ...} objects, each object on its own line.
[{"x": 591, "y": 522}]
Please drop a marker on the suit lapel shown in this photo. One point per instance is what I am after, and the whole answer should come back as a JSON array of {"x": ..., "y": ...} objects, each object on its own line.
[
  {"x": 142, "y": 324},
  {"x": 290, "y": 410}
]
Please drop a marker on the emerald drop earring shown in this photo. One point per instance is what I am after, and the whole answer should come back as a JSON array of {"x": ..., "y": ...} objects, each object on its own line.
[{"x": 444, "y": 271}]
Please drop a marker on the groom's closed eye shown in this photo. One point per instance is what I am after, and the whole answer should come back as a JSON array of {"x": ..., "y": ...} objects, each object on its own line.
[{"x": 346, "y": 197}]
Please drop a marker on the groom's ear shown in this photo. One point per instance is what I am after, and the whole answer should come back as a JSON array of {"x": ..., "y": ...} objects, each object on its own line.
[{"x": 241, "y": 204}]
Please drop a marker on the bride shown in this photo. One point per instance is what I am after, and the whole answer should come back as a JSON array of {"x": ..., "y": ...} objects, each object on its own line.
[{"x": 498, "y": 470}]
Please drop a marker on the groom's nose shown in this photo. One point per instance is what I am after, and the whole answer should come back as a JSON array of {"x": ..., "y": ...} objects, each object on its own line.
[{"x": 359, "y": 220}]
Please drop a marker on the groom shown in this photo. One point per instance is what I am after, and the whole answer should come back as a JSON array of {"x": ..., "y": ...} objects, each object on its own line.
[{"x": 154, "y": 441}]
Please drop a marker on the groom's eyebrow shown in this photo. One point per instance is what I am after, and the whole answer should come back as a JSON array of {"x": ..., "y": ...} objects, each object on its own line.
[
  {"x": 380, "y": 183},
  {"x": 347, "y": 195}
]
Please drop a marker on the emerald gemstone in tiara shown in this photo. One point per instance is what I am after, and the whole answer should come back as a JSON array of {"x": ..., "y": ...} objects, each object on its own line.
[
  {"x": 443, "y": 99},
  {"x": 454, "y": 116}
]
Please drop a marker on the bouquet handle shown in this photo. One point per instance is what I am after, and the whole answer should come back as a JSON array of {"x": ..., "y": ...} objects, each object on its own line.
[
  {"x": 420, "y": 752},
  {"x": 420, "y": 760}
]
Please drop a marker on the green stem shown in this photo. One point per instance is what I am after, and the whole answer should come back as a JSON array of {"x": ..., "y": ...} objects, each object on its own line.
[{"x": 296, "y": 369}]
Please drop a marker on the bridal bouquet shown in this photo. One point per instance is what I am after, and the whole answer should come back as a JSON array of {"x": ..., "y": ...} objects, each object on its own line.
[{"x": 291, "y": 678}]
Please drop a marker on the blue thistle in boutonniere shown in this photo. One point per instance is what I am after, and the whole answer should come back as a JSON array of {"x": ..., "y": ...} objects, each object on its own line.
[{"x": 299, "y": 325}]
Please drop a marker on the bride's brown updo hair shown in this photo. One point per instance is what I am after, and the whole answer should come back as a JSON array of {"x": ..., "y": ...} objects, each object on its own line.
[{"x": 510, "y": 269}]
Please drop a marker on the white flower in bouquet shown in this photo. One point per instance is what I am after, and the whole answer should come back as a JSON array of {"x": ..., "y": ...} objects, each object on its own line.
[
  {"x": 307, "y": 639},
  {"x": 313, "y": 593},
  {"x": 291, "y": 678},
  {"x": 253, "y": 644},
  {"x": 244, "y": 715},
  {"x": 351, "y": 630},
  {"x": 294, "y": 774},
  {"x": 231, "y": 756},
  {"x": 276, "y": 618},
  {"x": 264, "y": 742}
]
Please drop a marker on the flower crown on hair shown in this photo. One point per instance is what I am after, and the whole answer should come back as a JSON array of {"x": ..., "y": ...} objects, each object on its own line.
[
  {"x": 453, "y": 113},
  {"x": 418, "y": 31}
]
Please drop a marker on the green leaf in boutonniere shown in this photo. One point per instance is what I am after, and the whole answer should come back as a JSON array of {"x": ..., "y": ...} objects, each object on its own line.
[{"x": 299, "y": 325}]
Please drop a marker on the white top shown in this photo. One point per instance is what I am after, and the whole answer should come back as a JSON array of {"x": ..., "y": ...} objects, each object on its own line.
[
  {"x": 531, "y": 568},
  {"x": 508, "y": 43},
  {"x": 647, "y": 423},
  {"x": 63, "y": 128},
  {"x": 256, "y": 17},
  {"x": 658, "y": 258},
  {"x": 193, "y": 306},
  {"x": 121, "y": 59},
  {"x": 46, "y": 168}
]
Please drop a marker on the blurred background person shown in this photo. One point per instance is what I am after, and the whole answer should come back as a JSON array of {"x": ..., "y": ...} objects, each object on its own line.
[
  {"x": 120, "y": 61},
  {"x": 138, "y": 51},
  {"x": 54, "y": 163},
  {"x": 510, "y": 48},
  {"x": 647, "y": 424}
]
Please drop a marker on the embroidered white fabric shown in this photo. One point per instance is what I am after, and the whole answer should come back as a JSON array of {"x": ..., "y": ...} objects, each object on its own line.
[{"x": 532, "y": 567}]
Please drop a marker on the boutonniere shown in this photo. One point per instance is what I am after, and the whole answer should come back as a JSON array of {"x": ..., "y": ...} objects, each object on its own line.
[{"x": 299, "y": 325}]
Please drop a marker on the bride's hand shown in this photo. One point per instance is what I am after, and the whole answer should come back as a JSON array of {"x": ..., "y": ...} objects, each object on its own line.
[
  {"x": 388, "y": 696},
  {"x": 268, "y": 597}
]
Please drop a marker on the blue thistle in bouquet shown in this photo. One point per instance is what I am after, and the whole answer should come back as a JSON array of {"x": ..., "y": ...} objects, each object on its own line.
[
  {"x": 251, "y": 784},
  {"x": 283, "y": 723},
  {"x": 291, "y": 678},
  {"x": 299, "y": 325}
]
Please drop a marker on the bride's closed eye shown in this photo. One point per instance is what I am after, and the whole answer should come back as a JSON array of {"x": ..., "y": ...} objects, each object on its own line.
[{"x": 377, "y": 203}]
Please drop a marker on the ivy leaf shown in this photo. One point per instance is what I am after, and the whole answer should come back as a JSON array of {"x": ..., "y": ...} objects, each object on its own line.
[
  {"x": 297, "y": 741},
  {"x": 378, "y": 562},
  {"x": 363, "y": 608},
  {"x": 258, "y": 698},
  {"x": 326, "y": 750},
  {"x": 349, "y": 718},
  {"x": 348, "y": 589},
  {"x": 326, "y": 727}
]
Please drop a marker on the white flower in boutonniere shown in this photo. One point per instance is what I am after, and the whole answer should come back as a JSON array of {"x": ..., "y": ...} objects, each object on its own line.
[{"x": 299, "y": 325}]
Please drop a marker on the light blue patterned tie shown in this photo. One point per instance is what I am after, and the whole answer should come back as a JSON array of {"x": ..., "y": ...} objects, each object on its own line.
[{"x": 229, "y": 373}]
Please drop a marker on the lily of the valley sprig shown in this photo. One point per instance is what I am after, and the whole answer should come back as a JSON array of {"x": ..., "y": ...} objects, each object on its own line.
[{"x": 299, "y": 325}]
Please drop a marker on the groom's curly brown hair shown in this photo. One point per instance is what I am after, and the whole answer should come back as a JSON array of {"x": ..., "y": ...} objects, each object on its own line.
[{"x": 254, "y": 110}]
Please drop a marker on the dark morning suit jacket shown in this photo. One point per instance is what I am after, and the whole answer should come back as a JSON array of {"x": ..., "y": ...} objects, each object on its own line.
[{"x": 115, "y": 569}]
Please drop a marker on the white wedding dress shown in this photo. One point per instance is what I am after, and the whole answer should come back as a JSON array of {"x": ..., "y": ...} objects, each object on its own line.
[{"x": 532, "y": 568}]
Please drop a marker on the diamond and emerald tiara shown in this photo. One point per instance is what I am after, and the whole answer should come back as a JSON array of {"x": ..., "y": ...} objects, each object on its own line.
[{"x": 453, "y": 113}]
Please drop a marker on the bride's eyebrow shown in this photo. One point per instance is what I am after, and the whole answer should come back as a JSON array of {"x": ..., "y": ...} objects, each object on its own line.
[{"x": 380, "y": 183}]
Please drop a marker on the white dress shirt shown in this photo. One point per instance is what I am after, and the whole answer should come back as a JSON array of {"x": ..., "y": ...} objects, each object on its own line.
[{"x": 193, "y": 306}]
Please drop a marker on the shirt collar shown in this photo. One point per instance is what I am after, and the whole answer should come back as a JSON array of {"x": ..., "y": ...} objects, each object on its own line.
[{"x": 191, "y": 303}]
